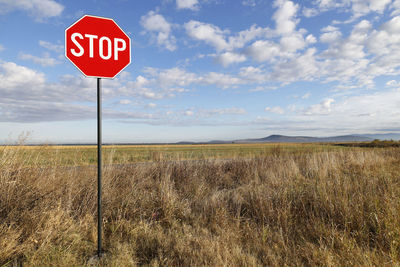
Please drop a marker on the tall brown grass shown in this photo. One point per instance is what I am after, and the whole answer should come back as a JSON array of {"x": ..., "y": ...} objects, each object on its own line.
[{"x": 334, "y": 208}]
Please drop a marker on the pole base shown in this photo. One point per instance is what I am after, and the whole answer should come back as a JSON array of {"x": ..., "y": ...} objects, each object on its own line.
[{"x": 97, "y": 258}]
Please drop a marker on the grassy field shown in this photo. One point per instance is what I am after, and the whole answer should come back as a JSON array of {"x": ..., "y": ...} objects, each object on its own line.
[
  {"x": 87, "y": 155},
  {"x": 271, "y": 205}
]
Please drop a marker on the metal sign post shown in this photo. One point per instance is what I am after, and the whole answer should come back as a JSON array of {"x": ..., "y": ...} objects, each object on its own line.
[
  {"x": 99, "y": 48},
  {"x": 99, "y": 218}
]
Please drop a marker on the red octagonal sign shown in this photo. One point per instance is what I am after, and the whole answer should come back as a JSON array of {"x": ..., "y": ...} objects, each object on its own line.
[{"x": 97, "y": 46}]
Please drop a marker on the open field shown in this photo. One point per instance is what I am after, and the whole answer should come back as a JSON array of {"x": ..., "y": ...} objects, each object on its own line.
[
  {"x": 114, "y": 154},
  {"x": 270, "y": 205}
]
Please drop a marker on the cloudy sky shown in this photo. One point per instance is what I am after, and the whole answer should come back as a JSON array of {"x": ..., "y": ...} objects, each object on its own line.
[{"x": 205, "y": 69}]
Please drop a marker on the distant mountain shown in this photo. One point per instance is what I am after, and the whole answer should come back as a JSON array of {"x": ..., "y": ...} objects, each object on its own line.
[
  {"x": 219, "y": 142},
  {"x": 305, "y": 139},
  {"x": 389, "y": 136},
  {"x": 185, "y": 143},
  {"x": 276, "y": 138}
]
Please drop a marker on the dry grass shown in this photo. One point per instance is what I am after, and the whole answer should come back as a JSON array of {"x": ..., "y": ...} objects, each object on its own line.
[
  {"x": 87, "y": 155},
  {"x": 316, "y": 208}
]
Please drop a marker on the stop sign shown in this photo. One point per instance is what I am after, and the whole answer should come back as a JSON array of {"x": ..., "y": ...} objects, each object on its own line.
[{"x": 97, "y": 46}]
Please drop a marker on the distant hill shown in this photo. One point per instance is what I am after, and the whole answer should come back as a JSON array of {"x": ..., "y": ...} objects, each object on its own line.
[
  {"x": 389, "y": 136},
  {"x": 292, "y": 139},
  {"x": 275, "y": 138},
  {"x": 304, "y": 139}
]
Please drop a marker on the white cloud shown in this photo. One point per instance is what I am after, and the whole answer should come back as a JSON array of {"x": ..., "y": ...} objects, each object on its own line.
[
  {"x": 208, "y": 33},
  {"x": 292, "y": 43},
  {"x": 251, "y": 3},
  {"x": 363, "y": 55},
  {"x": 176, "y": 77},
  {"x": 306, "y": 95},
  {"x": 303, "y": 67},
  {"x": 222, "y": 111},
  {"x": 221, "y": 80},
  {"x": 384, "y": 43},
  {"x": 358, "y": 8},
  {"x": 347, "y": 59},
  {"x": 240, "y": 39},
  {"x": 229, "y": 58},
  {"x": 276, "y": 110},
  {"x": 189, "y": 113},
  {"x": 219, "y": 39},
  {"x": 169, "y": 79},
  {"x": 330, "y": 34},
  {"x": 52, "y": 47},
  {"x": 263, "y": 88},
  {"x": 232, "y": 111},
  {"x": 263, "y": 50},
  {"x": 45, "y": 60},
  {"x": 205, "y": 117},
  {"x": 160, "y": 30},
  {"x": 353, "y": 61},
  {"x": 39, "y": 9},
  {"x": 330, "y": 37},
  {"x": 20, "y": 82},
  {"x": 323, "y": 108},
  {"x": 125, "y": 102},
  {"x": 310, "y": 39},
  {"x": 364, "y": 113},
  {"x": 147, "y": 93},
  {"x": 392, "y": 26},
  {"x": 380, "y": 105},
  {"x": 15, "y": 79},
  {"x": 187, "y": 4},
  {"x": 141, "y": 81},
  {"x": 28, "y": 97},
  {"x": 363, "y": 7},
  {"x": 329, "y": 28},
  {"x": 393, "y": 83},
  {"x": 37, "y": 111},
  {"x": 395, "y": 6},
  {"x": 291, "y": 40},
  {"x": 1, "y": 48},
  {"x": 327, "y": 4},
  {"x": 310, "y": 12},
  {"x": 253, "y": 74},
  {"x": 142, "y": 87},
  {"x": 285, "y": 16},
  {"x": 383, "y": 105}
]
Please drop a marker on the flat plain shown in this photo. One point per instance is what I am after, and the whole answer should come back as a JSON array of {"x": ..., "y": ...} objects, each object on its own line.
[{"x": 201, "y": 205}]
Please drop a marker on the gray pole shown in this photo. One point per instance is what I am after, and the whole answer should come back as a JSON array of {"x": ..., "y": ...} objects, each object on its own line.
[{"x": 99, "y": 219}]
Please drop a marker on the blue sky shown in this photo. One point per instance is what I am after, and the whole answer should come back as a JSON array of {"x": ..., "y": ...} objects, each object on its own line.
[{"x": 204, "y": 70}]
